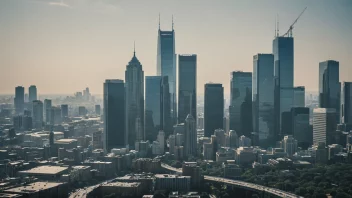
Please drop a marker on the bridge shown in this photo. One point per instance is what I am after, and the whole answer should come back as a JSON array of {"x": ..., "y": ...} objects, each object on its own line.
[{"x": 241, "y": 184}]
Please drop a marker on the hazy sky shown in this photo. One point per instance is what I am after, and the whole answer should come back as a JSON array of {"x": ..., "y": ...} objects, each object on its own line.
[{"x": 65, "y": 46}]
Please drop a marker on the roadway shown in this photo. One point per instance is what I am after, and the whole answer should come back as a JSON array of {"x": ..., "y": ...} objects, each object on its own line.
[{"x": 239, "y": 183}]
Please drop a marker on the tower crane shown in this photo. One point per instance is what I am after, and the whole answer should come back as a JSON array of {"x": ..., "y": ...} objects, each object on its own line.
[{"x": 289, "y": 31}]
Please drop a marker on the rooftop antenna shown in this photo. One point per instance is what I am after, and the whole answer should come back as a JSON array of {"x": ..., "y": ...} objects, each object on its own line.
[
  {"x": 172, "y": 22},
  {"x": 277, "y": 26},
  {"x": 134, "y": 48},
  {"x": 159, "y": 20}
]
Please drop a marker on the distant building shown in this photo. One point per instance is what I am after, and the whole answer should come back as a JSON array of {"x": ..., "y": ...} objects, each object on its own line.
[
  {"x": 32, "y": 90},
  {"x": 172, "y": 182},
  {"x": 49, "y": 173},
  {"x": 97, "y": 110},
  {"x": 47, "y": 111},
  {"x": 187, "y": 86},
  {"x": 324, "y": 125},
  {"x": 299, "y": 96},
  {"x": 37, "y": 109},
  {"x": 241, "y": 102},
  {"x": 82, "y": 111},
  {"x": 233, "y": 139},
  {"x": 64, "y": 111},
  {"x": 244, "y": 156},
  {"x": 55, "y": 116},
  {"x": 289, "y": 145},
  {"x": 301, "y": 129},
  {"x": 213, "y": 108},
  {"x": 153, "y": 102},
  {"x": 194, "y": 171},
  {"x": 40, "y": 189},
  {"x": 114, "y": 115},
  {"x": 346, "y": 103},
  {"x": 146, "y": 165},
  {"x": 190, "y": 146},
  {"x": 166, "y": 117},
  {"x": 245, "y": 141},
  {"x": 19, "y": 100}
]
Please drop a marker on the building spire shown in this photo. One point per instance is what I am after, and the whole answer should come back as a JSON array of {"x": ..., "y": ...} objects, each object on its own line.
[
  {"x": 134, "y": 48},
  {"x": 277, "y": 28},
  {"x": 159, "y": 20},
  {"x": 172, "y": 18}
]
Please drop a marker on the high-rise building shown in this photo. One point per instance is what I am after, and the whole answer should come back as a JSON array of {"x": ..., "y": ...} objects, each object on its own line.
[
  {"x": 187, "y": 86},
  {"x": 166, "y": 65},
  {"x": 284, "y": 79},
  {"x": 213, "y": 108},
  {"x": 97, "y": 109},
  {"x": 32, "y": 90},
  {"x": 290, "y": 145},
  {"x": 82, "y": 111},
  {"x": 346, "y": 103},
  {"x": 161, "y": 140},
  {"x": 329, "y": 86},
  {"x": 64, "y": 110},
  {"x": 324, "y": 125},
  {"x": 301, "y": 129},
  {"x": 233, "y": 139},
  {"x": 241, "y": 102},
  {"x": 134, "y": 85},
  {"x": 47, "y": 111},
  {"x": 299, "y": 96},
  {"x": 166, "y": 119},
  {"x": 19, "y": 99},
  {"x": 114, "y": 115},
  {"x": 190, "y": 146},
  {"x": 152, "y": 106},
  {"x": 263, "y": 96},
  {"x": 37, "y": 109}
]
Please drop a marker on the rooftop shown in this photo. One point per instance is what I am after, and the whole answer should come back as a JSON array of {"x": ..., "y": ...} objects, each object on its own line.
[
  {"x": 65, "y": 141},
  {"x": 33, "y": 187},
  {"x": 123, "y": 184},
  {"x": 48, "y": 170},
  {"x": 170, "y": 176}
]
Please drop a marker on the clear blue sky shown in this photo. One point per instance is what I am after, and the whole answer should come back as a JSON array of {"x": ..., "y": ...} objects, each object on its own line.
[{"x": 65, "y": 46}]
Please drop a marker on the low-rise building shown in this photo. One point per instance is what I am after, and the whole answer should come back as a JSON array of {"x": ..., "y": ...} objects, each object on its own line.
[
  {"x": 123, "y": 189},
  {"x": 41, "y": 189},
  {"x": 146, "y": 165},
  {"x": 172, "y": 182},
  {"x": 50, "y": 173},
  {"x": 231, "y": 169}
]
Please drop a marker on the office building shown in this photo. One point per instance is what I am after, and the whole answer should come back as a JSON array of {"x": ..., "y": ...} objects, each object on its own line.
[
  {"x": 82, "y": 111},
  {"x": 244, "y": 141},
  {"x": 284, "y": 79},
  {"x": 263, "y": 97},
  {"x": 324, "y": 125},
  {"x": 299, "y": 96},
  {"x": 64, "y": 111},
  {"x": 241, "y": 102},
  {"x": 114, "y": 115},
  {"x": 32, "y": 90},
  {"x": 172, "y": 182},
  {"x": 152, "y": 106},
  {"x": 329, "y": 86},
  {"x": 134, "y": 85},
  {"x": 166, "y": 118},
  {"x": 47, "y": 111},
  {"x": 37, "y": 109},
  {"x": 19, "y": 100},
  {"x": 233, "y": 142},
  {"x": 190, "y": 146},
  {"x": 289, "y": 145},
  {"x": 193, "y": 170},
  {"x": 97, "y": 110},
  {"x": 301, "y": 129},
  {"x": 346, "y": 103},
  {"x": 213, "y": 108},
  {"x": 55, "y": 116},
  {"x": 187, "y": 86},
  {"x": 166, "y": 65}
]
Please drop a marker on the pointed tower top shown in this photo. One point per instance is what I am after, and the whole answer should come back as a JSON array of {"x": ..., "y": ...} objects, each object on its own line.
[
  {"x": 277, "y": 28},
  {"x": 159, "y": 20},
  {"x": 134, "y": 48},
  {"x": 172, "y": 18}
]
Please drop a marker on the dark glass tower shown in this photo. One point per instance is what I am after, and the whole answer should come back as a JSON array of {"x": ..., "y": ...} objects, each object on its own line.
[
  {"x": 32, "y": 90},
  {"x": 19, "y": 99},
  {"x": 329, "y": 86},
  {"x": 283, "y": 50},
  {"x": 166, "y": 65},
  {"x": 64, "y": 111},
  {"x": 152, "y": 106},
  {"x": 166, "y": 120},
  {"x": 241, "y": 103},
  {"x": 263, "y": 96},
  {"x": 213, "y": 108},
  {"x": 187, "y": 86},
  {"x": 114, "y": 115},
  {"x": 346, "y": 103}
]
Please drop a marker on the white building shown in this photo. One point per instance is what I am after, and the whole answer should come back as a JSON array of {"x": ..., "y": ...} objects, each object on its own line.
[
  {"x": 324, "y": 125},
  {"x": 290, "y": 145}
]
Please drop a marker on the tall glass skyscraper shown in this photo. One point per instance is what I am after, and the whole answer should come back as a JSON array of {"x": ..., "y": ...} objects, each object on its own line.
[
  {"x": 213, "y": 108},
  {"x": 283, "y": 50},
  {"x": 37, "y": 112},
  {"x": 166, "y": 119},
  {"x": 47, "y": 111},
  {"x": 32, "y": 90},
  {"x": 241, "y": 102},
  {"x": 299, "y": 96},
  {"x": 134, "y": 77},
  {"x": 166, "y": 65},
  {"x": 114, "y": 115},
  {"x": 19, "y": 100},
  {"x": 346, "y": 103},
  {"x": 187, "y": 86},
  {"x": 152, "y": 106},
  {"x": 329, "y": 86},
  {"x": 263, "y": 96}
]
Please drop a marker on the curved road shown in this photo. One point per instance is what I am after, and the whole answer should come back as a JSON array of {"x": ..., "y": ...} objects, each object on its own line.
[{"x": 239, "y": 183}]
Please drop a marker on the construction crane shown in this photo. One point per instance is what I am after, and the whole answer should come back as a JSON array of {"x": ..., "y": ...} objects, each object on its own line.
[{"x": 289, "y": 31}]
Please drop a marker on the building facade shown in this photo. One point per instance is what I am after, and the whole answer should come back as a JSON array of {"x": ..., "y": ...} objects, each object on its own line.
[
  {"x": 213, "y": 108},
  {"x": 190, "y": 146},
  {"x": 324, "y": 125},
  {"x": 346, "y": 103},
  {"x": 32, "y": 92},
  {"x": 152, "y": 106},
  {"x": 19, "y": 100},
  {"x": 299, "y": 96},
  {"x": 37, "y": 112}
]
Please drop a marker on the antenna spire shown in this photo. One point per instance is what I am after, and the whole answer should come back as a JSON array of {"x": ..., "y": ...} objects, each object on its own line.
[
  {"x": 277, "y": 28},
  {"x": 159, "y": 20},
  {"x": 134, "y": 48},
  {"x": 172, "y": 18}
]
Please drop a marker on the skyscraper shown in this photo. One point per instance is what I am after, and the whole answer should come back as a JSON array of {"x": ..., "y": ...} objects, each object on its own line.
[
  {"x": 299, "y": 96},
  {"x": 64, "y": 111},
  {"x": 346, "y": 103},
  {"x": 37, "y": 109},
  {"x": 114, "y": 115},
  {"x": 32, "y": 90},
  {"x": 190, "y": 146},
  {"x": 324, "y": 125},
  {"x": 241, "y": 102},
  {"x": 284, "y": 78},
  {"x": 19, "y": 99},
  {"x": 301, "y": 129},
  {"x": 166, "y": 121},
  {"x": 134, "y": 77},
  {"x": 329, "y": 86},
  {"x": 213, "y": 108},
  {"x": 97, "y": 109},
  {"x": 47, "y": 111},
  {"x": 152, "y": 106},
  {"x": 187, "y": 86},
  {"x": 166, "y": 64},
  {"x": 263, "y": 96}
]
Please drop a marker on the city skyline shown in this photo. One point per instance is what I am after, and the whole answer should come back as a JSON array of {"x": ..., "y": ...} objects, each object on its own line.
[{"x": 101, "y": 63}]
